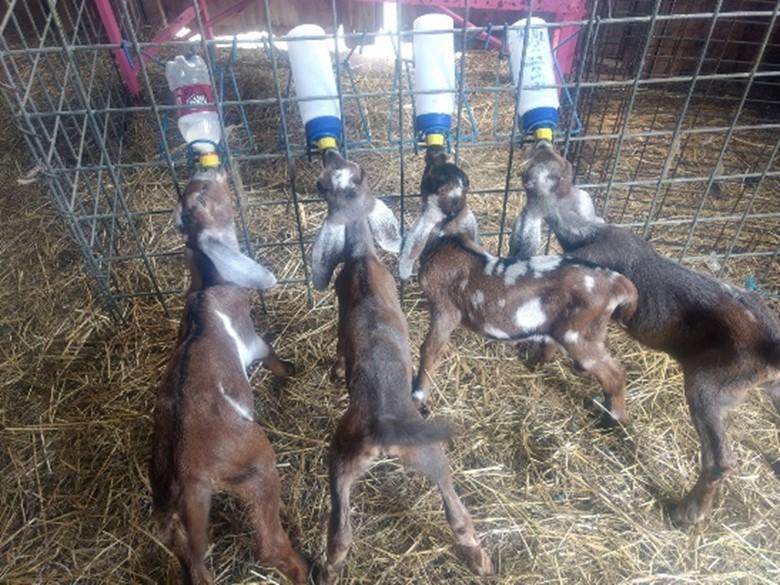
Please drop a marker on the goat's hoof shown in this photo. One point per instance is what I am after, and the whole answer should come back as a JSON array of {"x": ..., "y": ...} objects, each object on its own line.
[
  {"x": 322, "y": 575},
  {"x": 338, "y": 373},
  {"x": 478, "y": 560},
  {"x": 420, "y": 399},
  {"x": 289, "y": 369},
  {"x": 686, "y": 513}
]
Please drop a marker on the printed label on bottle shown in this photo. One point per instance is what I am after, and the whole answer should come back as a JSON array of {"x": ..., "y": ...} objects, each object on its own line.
[{"x": 197, "y": 97}]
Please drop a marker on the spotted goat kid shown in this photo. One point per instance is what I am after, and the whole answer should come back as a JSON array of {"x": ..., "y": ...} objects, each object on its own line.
[
  {"x": 558, "y": 300},
  {"x": 725, "y": 339},
  {"x": 373, "y": 354},
  {"x": 206, "y": 438}
]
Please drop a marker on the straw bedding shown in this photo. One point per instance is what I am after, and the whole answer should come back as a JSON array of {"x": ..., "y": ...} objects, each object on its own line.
[{"x": 555, "y": 499}]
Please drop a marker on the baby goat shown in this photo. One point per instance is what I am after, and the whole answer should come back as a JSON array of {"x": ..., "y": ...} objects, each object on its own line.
[
  {"x": 724, "y": 338},
  {"x": 206, "y": 438},
  {"x": 561, "y": 300},
  {"x": 373, "y": 348}
]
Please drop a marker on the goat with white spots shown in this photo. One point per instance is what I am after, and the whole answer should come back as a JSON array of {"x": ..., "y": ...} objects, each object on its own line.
[
  {"x": 564, "y": 301},
  {"x": 373, "y": 355},
  {"x": 726, "y": 340},
  {"x": 206, "y": 438}
]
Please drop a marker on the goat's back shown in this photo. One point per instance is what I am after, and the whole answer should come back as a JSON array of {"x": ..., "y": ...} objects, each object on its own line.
[{"x": 683, "y": 312}]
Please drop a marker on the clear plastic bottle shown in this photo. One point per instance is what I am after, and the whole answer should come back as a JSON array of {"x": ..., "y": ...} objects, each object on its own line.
[{"x": 188, "y": 79}]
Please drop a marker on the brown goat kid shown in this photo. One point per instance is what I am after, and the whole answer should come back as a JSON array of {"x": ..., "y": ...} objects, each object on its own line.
[
  {"x": 373, "y": 352},
  {"x": 206, "y": 439},
  {"x": 560, "y": 300},
  {"x": 724, "y": 337}
]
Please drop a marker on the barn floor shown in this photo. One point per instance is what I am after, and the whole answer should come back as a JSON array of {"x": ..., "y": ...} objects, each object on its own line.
[{"x": 555, "y": 499}]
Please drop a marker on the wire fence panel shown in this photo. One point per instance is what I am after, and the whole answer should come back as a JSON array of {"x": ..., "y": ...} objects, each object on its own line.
[{"x": 670, "y": 115}]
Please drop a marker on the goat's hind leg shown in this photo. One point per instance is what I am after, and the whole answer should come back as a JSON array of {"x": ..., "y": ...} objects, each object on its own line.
[
  {"x": 430, "y": 460},
  {"x": 191, "y": 538},
  {"x": 258, "y": 487},
  {"x": 708, "y": 405},
  {"x": 345, "y": 469}
]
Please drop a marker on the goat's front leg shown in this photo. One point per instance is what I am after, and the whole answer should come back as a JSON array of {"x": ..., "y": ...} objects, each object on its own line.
[
  {"x": 345, "y": 469},
  {"x": 430, "y": 460},
  {"x": 708, "y": 406},
  {"x": 444, "y": 320},
  {"x": 338, "y": 373}
]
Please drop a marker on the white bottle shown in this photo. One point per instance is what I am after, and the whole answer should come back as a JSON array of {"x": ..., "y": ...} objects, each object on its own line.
[
  {"x": 188, "y": 79},
  {"x": 434, "y": 70},
  {"x": 312, "y": 73},
  {"x": 537, "y": 106}
]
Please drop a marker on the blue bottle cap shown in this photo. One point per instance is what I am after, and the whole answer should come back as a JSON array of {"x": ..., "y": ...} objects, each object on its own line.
[
  {"x": 322, "y": 127},
  {"x": 432, "y": 123},
  {"x": 540, "y": 118}
]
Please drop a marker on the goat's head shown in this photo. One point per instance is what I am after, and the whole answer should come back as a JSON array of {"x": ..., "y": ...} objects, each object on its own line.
[
  {"x": 342, "y": 184},
  {"x": 205, "y": 216},
  {"x": 548, "y": 180},
  {"x": 443, "y": 188}
]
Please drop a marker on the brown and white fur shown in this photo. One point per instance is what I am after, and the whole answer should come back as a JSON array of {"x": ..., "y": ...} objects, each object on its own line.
[
  {"x": 206, "y": 438},
  {"x": 373, "y": 353},
  {"x": 564, "y": 302},
  {"x": 724, "y": 337}
]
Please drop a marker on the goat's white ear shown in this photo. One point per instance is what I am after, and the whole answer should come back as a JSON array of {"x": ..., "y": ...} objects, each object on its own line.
[
  {"x": 327, "y": 252},
  {"x": 234, "y": 267},
  {"x": 469, "y": 226},
  {"x": 385, "y": 227},
  {"x": 526, "y": 234},
  {"x": 414, "y": 243}
]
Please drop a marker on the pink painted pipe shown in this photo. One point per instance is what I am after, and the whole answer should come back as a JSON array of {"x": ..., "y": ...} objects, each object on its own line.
[{"x": 126, "y": 71}]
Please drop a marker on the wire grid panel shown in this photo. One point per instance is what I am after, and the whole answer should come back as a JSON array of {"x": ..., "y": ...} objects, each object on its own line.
[{"x": 678, "y": 108}]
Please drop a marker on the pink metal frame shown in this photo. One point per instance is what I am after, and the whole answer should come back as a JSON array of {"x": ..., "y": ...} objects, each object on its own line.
[{"x": 129, "y": 71}]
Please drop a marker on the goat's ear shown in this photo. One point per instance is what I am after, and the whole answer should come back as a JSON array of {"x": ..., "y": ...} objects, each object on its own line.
[
  {"x": 327, "y": 252},
  {"x": 234, "y": 267},
  {"x": 385, "y": 227},
  {"x": 415, "y": 240},
  {"x": 469, "y": 226},
  {"x": 526, "y": 234}
]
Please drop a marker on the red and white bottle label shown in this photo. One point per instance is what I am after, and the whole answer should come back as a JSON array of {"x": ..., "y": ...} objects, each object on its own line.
[{"x": 196, "y": 97}]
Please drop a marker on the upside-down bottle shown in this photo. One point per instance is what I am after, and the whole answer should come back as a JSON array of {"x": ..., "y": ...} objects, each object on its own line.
[
  {"x": 537, "y": 96},
  {"x": 188, "y": 79}
]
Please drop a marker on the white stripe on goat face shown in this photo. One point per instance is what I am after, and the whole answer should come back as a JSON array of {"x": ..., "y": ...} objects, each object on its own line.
[
  {"x": 341, "y": 178},
  {"x": 247, "y": 353},
  {"x": 240, "y": 409}
]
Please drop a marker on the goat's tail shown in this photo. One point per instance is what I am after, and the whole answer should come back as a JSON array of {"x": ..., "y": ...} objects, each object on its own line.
[
  {"x": 625, "y": 292},
  {"x": 408, "y": 431}
]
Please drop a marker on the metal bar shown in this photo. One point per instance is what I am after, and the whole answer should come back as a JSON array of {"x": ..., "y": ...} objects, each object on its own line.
[
  {"x": 513, "y": 134},
  {"x": 94, "y": 126},
  {"x": 677, "y": 133},
  {"x": 730, "y": 132},
  {"x": 461, "y": 82},
  {"x": 288, "y": 153},
  {"x": 339, "y": 92},
  {"x": 629, "y": 108}
]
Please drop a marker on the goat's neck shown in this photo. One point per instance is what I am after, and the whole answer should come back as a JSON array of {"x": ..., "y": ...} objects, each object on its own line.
[
  {"x": 572, "y": 229},
  {"x": 359, "y": 241}
]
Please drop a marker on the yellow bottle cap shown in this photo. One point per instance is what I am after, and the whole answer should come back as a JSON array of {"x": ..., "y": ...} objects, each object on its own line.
[
  {"x": 209, "y": 159},
  {"x": 543, "y": 134},
  {"x": 326, "y": 142},
  {"x": 434, "y": 139}
]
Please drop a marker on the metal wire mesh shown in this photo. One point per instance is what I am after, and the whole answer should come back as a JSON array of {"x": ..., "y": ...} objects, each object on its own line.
[{"x": 671, "y": 122}]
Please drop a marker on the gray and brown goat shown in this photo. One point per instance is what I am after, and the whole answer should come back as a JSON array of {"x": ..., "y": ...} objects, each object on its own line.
[
  {"x": 560, "y": 300},
  {"x": 206, "y": 438},
  {"x": 725, "y": 338},
  {"x": 373, "y": 353}
]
